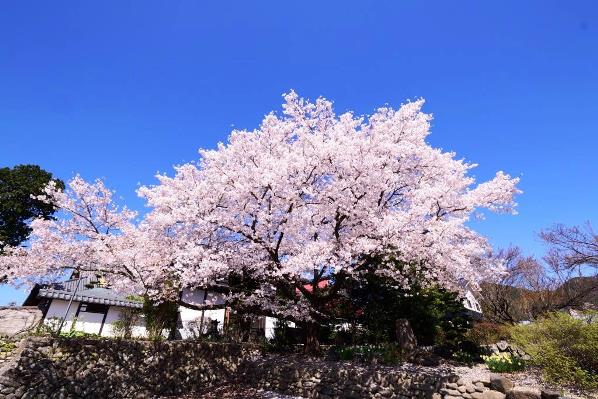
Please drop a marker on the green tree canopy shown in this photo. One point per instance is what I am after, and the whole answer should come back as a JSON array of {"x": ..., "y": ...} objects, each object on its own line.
[
  {"x": 437, "y": 316},
  {"x": 17, "y": 207}
]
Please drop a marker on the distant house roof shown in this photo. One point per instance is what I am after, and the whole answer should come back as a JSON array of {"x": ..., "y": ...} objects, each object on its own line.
[
  {"x": 87, "y": 292},
  {"x": 321, "y": 285}
]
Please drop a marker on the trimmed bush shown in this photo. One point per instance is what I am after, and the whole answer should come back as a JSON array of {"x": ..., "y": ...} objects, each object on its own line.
[{"x": 566, "y": 349}]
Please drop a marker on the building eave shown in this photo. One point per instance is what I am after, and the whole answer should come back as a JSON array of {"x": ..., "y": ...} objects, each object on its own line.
[{"x": 81, "y": 297}]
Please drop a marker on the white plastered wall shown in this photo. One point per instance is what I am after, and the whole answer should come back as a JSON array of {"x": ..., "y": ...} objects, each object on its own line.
[
  {"x": 191, "y": 318},
  {"x": 87, "y": 321}
]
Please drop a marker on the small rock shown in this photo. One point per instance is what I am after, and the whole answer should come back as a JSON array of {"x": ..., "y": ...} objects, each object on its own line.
[
  {"x": 550, "y": 395},
  {"x": 450, "y": 392},
  {"x": 477, "y": 395},
  {"x": 500, "y": 383},
  {"x": 462, "y": 389},
  {"x": 470, "y": 389},
  {"x": 493, "y": 395},
  {"x": 502, "y": 345},
  {"x": 485, "y": 382},
  {"x": 523, "y": 393}
]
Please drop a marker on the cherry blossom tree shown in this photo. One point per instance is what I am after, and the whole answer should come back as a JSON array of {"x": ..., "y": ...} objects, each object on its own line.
[
  {"x": 284, "y": 215},
  {"x": 311, "y": 196},
  {"x": 90, "y": 235}
]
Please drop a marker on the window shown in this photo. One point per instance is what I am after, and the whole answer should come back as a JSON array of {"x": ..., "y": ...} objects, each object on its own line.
[{"x": 93, "y": 308}]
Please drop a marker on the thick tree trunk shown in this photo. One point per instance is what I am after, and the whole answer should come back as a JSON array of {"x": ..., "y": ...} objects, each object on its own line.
[
  {"x": 312, "y": 340},
  {"x": 405, "y": 336}
]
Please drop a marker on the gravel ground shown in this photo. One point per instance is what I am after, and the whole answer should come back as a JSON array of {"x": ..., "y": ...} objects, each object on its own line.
[{"x": 236, "y": 392}]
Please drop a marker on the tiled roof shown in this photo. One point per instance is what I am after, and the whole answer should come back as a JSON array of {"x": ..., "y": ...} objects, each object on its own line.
[{"x": 90, "y": 296}]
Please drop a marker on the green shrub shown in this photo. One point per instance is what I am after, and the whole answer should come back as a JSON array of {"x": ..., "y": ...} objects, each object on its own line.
[
  {"x": 7, "y": 346},
  {"x": 47, "y": 327},
  {"x": 436, "y": 315},
  {"x": 566, "y": 349},
  {"x": 503, "y": 363},
  {"x": 78, "y": 334},
  {"x": 123, "y": 327},
  {"x": 468, "y": 355},
  {"x": 389, "y": 354},
  {"x": 346, "y": 353},
  {"x": 73, "y": 333},
  {"x": 159, "y": 316}
]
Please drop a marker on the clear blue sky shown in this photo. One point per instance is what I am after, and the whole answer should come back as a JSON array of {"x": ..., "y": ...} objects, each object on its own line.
[{"x": 121, "y": 90}]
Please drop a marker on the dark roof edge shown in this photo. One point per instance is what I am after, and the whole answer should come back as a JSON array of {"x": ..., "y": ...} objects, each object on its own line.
[{"x": 66, "y": 295}]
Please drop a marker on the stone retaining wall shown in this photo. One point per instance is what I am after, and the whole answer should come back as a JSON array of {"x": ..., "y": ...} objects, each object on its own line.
[
  {"x": 327, "y": 379},
  {"x": 45, "y": 367}
]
